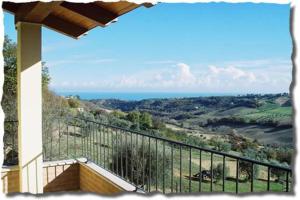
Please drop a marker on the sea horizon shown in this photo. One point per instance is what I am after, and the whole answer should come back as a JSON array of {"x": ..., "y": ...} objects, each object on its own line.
[{"x": 137, "y": 96}]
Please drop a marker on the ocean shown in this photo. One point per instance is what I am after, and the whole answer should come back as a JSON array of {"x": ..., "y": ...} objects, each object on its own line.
[{"x": 136, "y": 96}]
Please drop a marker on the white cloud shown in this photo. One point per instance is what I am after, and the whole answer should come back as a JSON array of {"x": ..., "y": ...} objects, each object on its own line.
[
  {"x": 185, "y": 76},
  {"x": 182, "y": 77},
  {"x": 232, "y": 73}
]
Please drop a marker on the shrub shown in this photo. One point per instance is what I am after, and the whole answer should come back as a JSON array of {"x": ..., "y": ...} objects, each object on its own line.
[
  {"x": 73, "y": 103},
  {"x": 137, "y": 163},
  {"x": 218, "y": 172},
  {"x": 245, "y": 170}
]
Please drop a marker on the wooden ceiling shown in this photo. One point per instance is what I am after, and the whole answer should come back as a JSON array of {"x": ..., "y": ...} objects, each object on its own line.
[{"x": 72, "y": 19}]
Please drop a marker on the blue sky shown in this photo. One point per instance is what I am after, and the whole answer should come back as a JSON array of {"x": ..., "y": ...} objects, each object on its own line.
[{"x": 212, "y": 47}]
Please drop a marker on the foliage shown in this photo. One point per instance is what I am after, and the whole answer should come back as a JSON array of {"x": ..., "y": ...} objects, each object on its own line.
[
  {"x": 9, "y": 98},
  {"x": 135, "y": 162},
  {"x": 118, "y": 114},
  {"x": 279, "y": 174},
  {"x": 245, "y": 170},
  {"x": 218, "y": 172},
  {"x": 146, "y": 121},
  {"x": 73, "y": 103},
  {"x": 134, "y": 116},
  {"x": 219, "y": 144}
]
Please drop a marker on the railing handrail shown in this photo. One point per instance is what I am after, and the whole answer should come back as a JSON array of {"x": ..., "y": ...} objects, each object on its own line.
[
  {"x": 11, "y": 121},
  {"x": 191, "y": 146}
]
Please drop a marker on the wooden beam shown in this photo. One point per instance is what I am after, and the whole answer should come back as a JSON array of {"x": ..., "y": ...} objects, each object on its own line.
[
  {"x": 92, "y": 11},
  {"x": 10, "y": 6},
  {"x": 63, "y": 26},
  {"x": 35, "y": 12},
  {"x": 148, "y": 5}
]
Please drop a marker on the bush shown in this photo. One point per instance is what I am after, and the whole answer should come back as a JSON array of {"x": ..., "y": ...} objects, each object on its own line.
[
  {"x": 245, "y": 170},
  {"x": 73, "y": 103},
  {"x": 279, "y": 174},
  {"x": 220, "y": 144},
  {"x": 218, "y": 172},
  {"x": 136, "y": 163}
]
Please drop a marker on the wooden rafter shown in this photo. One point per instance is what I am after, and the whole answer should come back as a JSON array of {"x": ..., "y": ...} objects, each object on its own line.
[
  {"x": 72, "y": 19},
  {"x": 92, "y": 11},
  {"x": 63, "y": 26},
  {"x": 35, "y": 12}
]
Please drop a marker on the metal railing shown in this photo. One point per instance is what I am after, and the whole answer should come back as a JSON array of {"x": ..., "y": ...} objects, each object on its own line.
[
  {"x": 10, "y": 142},
  {"x": 154, "y": 163}
]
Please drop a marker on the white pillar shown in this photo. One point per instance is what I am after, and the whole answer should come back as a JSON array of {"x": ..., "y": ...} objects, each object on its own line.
[{"x": 29, "y": 69}]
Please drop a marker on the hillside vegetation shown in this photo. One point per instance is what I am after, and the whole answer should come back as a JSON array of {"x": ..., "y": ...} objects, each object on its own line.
[{"x": 266, "y": 118}]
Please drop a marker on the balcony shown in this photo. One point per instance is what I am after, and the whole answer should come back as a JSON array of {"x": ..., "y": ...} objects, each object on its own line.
[{"x": 90, "y": 156}]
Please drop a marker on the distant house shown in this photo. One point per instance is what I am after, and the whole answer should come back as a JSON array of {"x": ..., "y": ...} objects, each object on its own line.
[{"x": 80, "y": 110}]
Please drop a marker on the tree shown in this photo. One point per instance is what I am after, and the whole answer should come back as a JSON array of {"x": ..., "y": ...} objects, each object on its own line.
[
  {"x": 134, "y": 116},
  {"x": 218, "y": 172},
  {"x": 52, "y": 104},
  {"x": 220, "y": 144},
  {"x": 146, "y": 120},
  {"x": 73, "y": 103},
  {"x": 118, "y": 114},
  {"x": 278, "y": 173},
  {"x": 9, "y": 98},
  {"x": 140, "y": 163}
]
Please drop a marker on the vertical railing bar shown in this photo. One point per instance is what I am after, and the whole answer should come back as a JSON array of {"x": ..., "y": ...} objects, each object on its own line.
[
  {"x": 180, "y": 168},
  {"x": 113, "y": 153},
  {"x": 131, "y": 161},
  {"x": 92, "y": 143},
  {"x": 81, "y": 141},
  {"x": 74, "y": 140},
  {"x": 117, "y": 151},
  {"x": 85, "y": 140},
  {"x": 200, "y": 171},
  {"x": 67, "y": 139},
  {"x": 252, "y": 176},
  {"x": 108, "y": 148},
  {"x": 104, "y": 147},
  {"x": 163, "y": 167},
  {"x": 287, "y": 181},
  {"x": 99, "y": 153},
  {"x": 100, "y": 143},
  {"x": 237, "y": 176},
  {"x": 211, "y": 171},
  {"x": 59, "y": 138},
  {"x": 172, "y": 166},
  {"x": 143, "y": 161},
  {"x": 224, "y": 166},
  {"x": 91, "y": 139},
  {"x": 96, "y": 143},
  {"x": 51, "y": 144},
  {"x": 268, "y": 183},
  {"x": 149, "y": 147},
  {"x": 156, "y": 160},
  {"x": 190, "y": 171},
  {"x": 136, "y": 158},
  {"x": 12, "y": 141},
  {"x": 126, "y": 155},
  {"x": 121, "y": 145}
]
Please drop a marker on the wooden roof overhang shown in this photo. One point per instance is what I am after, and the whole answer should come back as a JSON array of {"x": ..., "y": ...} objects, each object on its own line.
[{"x": 71, "y": 19}]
